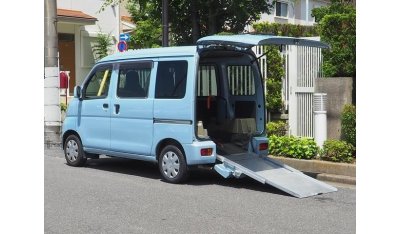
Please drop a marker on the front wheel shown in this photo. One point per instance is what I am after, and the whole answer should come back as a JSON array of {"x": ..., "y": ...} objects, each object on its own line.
[
  {"x": 172, "y": 165},
  {"x": 73, "y": 151}
]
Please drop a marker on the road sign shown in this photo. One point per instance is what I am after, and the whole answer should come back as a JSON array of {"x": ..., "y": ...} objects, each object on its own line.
[
  {"x": 122, "y": 46},
  {"x": 124, "y": 37}
]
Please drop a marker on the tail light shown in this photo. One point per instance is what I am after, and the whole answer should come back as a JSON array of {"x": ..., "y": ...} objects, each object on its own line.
[
  {"x": 206, "y": 151},
  {"x": 263, "y": 146}
]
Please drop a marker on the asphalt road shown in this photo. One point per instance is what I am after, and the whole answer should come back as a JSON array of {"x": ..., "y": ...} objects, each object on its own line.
[{"x": 112, "y": 195}]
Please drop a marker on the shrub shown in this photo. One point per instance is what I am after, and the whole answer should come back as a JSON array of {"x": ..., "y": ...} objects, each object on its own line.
[
  {"x": 337, "y": 151},
  {"x": 291, "y": 30},
  {"x": 292, "y": 147},
  {"x": 277, "y": 128},
  {"x": 63, "y": 107},
  {"x": 348, "y": 119},
  {"x": 103, "y": 42},
  {"x": 275, "y": 72}
]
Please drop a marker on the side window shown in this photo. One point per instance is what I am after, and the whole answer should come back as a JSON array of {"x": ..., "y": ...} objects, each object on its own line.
[
  {"x": 133, "y": 80},
  {"x": 241, "y": 80},
  {"x": 171, "y": 79},
  {"x": 206, "y": 81},
  {"x": 99, "y": 82}
]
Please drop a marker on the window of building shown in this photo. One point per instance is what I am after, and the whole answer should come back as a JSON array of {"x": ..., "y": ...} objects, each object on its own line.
[
  {"x": 241, "y": 80},
  {"x": 281, "y": 9},
  {"x": 206, "y": 81},
  {"x": 134, "y": 79},
  {"x": 171, "y": 79},
  {"x": 99, "y": 83}
]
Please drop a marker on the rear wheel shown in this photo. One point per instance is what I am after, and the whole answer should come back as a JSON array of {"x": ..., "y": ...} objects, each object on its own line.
[
  {"x": 73, "y": 151},
  {"x": 172, "y": 165}
]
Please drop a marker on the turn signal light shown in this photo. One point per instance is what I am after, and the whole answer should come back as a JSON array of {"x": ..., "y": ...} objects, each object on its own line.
[
  {"x": 263, "y": 146},
  {"x": 206, "y": 152}
]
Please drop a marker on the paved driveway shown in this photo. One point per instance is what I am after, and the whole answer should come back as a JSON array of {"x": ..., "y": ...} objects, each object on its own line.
[{"x": 127, "y": 196}]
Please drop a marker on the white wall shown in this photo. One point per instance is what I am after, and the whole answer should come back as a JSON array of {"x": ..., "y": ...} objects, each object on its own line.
[{"x": 296, "y": 12}]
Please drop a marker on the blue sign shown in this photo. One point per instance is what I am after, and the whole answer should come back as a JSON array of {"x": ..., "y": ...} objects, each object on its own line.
[
  {"x": 124, "y": 37},
  {"x": 122, "y": 46}
]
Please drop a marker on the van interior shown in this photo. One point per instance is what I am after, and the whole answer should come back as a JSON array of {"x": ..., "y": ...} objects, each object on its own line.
[{"x": 229, "y": 100}]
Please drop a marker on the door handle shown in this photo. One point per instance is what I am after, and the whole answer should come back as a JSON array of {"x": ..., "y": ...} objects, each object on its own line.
[
  {"x": 116, "y": 108},
  {"x": 105, "y": 105}
]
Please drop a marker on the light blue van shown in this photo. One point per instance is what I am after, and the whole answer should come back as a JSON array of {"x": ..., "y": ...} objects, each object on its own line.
[{"x": 176, "y": 106}]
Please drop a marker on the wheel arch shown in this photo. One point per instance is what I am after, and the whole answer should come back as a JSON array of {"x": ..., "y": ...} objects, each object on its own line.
[
  {"x": 169, "y": 141},
  {"x": 67, "y": 134}
]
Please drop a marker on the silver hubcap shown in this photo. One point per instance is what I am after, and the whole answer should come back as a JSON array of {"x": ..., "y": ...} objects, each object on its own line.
[
  {"x": 170, "y": 164},
  {"x": 72, "y": 150}
]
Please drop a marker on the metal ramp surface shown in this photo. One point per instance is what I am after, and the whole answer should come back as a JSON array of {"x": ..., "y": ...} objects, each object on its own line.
[{"x": 272, "y": 172}]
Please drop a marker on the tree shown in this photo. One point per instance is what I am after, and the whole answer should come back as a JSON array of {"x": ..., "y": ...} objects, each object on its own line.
[
  {"x": 190, "y": 20},
  {"x": 337, "y": 27}
]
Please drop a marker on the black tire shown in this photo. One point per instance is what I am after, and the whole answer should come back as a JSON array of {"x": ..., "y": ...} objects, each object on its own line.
[
  {"x": 172, "y": 165},
  {"x": 73, "y": 151}
]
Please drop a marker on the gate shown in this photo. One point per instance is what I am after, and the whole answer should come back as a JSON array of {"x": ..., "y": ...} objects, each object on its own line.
[{"x": 302, "y": 65}]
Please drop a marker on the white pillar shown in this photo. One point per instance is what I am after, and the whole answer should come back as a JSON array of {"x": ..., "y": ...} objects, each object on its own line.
[
  {"x": 307, "y": 11},
  {"x": 52, "y": 112}
]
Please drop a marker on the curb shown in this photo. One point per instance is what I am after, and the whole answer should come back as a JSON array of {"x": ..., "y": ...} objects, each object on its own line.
[{"x": 323, "y": 170}]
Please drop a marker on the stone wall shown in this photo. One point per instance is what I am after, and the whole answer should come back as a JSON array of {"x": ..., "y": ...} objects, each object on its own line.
[{"x": 339, "y": 92}]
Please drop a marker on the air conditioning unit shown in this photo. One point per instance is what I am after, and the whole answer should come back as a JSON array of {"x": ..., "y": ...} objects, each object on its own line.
[{"x": 320, "y": 100}]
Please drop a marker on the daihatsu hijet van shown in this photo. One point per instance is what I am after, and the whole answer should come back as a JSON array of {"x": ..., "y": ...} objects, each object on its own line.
[{"x": 176, "y": 106}]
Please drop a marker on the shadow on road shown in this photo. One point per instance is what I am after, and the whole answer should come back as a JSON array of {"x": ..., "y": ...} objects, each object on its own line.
[{"x": 198, "y": 176}]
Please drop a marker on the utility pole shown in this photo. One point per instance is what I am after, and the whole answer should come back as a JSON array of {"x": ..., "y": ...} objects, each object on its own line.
[
  {"x": 52, "y": 112},
  {"x": 165, "y": 23}
]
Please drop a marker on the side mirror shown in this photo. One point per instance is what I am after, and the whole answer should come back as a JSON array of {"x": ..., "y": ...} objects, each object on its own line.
[{"x": 78, "y": 92}]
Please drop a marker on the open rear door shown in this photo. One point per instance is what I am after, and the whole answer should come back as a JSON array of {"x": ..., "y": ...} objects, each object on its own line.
[{"x": 246, "y": 41}]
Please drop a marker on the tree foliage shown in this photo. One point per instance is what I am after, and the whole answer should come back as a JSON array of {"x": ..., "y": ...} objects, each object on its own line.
[
  {"x": 336, "y": 7},
  {"x": 190, "y": 20},
  {"x": 337, "y": 27},
  {"x": 275, "y": 73},
  {"x": 102, "y": 44}
]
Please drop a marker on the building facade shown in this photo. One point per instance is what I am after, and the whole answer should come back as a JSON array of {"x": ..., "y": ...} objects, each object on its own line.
[
  {"x": 78, "y": 25},
  {"x": 293, "y": 11}
]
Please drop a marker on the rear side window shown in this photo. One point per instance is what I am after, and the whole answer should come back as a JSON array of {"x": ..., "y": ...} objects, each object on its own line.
[
  {"x": 171, "y": 79},
  {"x": 99, "y": 82},
  {"x": 133, "y": 80},
  {"x": 206, "y": 81},
  {"x": 241, "y": 80}
]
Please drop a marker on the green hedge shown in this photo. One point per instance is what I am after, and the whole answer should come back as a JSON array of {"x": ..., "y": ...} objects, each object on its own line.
[
  {"x": 337, "y": 151},
  {"x": 348, "y": 119},
  {"x": 276, "y": 128},
  {"x": 292, "y": 147},
  {"x": 292, "y": 30}
]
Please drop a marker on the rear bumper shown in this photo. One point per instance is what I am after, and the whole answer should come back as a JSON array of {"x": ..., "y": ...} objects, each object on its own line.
[{"x": 193, "y": 156}]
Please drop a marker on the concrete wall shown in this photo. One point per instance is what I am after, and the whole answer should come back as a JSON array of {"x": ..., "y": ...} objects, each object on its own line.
[{"x": 339, "y": 92}]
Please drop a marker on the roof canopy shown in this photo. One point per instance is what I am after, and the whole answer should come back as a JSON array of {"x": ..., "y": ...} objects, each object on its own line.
[{"x": 77, "y": 17}]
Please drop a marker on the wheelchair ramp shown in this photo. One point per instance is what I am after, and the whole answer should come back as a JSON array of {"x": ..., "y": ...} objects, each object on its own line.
[{"x": 272, "y": 172}]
